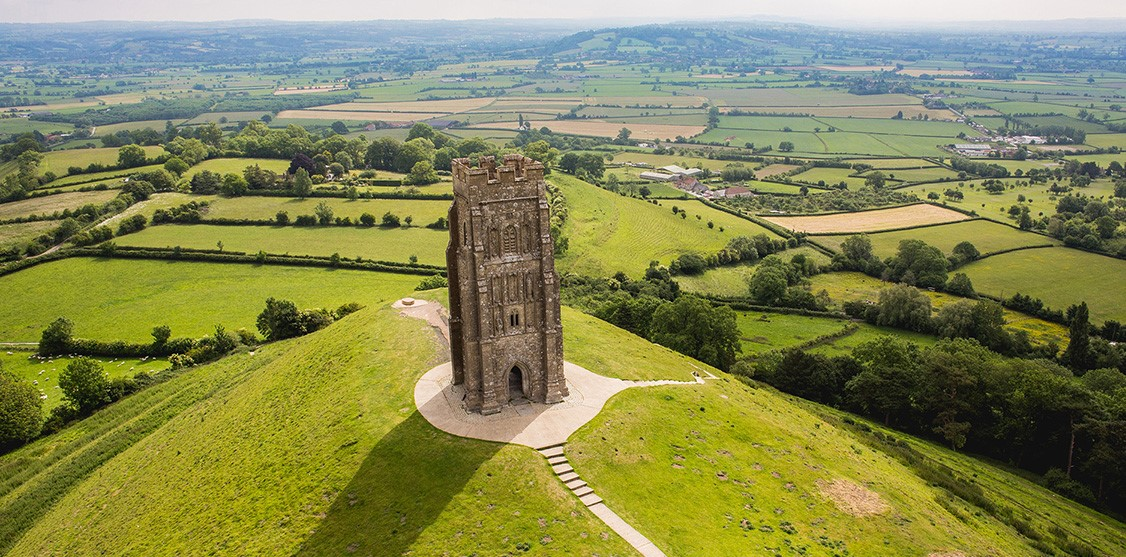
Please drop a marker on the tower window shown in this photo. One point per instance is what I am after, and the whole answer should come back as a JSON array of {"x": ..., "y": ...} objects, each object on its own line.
[
  {"x": 514, "y": 319},
  {"x": 510, "y": 240}
]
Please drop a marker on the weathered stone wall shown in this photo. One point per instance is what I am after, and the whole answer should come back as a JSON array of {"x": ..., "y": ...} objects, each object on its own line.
[{"x": 504, "y": 294}]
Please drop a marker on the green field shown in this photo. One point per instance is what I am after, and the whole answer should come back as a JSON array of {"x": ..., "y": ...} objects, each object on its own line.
[
  {"x": 995, "y": 206},
  {"x": 50, "y": 204},
  {"x": 265, "y": 208},
  {"x": 763, "y": 332},
  {"x": 843, "y": 346},
  {"x": 309, "y": 447},
  {"x": 124, "y": 299},
  {"x": 1058, "y": 276},
  {"x": 843, "y": 287},
  {"x": 110, "y": 177},
  {"x": 43, "y": 373},
  {"x": 16, "y": 234},
  {"x": 731, "y": 280},
  {"x": 609, "y": 233},
  {"x": 59, "y": 161},
  {"x": 985, "y": 235},
  {"x": 396, "y": 244},
  {"x": 831, "y": 177},
  {"x": 225, "y": 166}
]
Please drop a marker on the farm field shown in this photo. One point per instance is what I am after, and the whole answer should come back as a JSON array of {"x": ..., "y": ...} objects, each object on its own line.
[
  {"x": 919, "y": 174},
  {"x": 43, "y": 373},
  {"x": 830, "y": 177},
  {"x": 50, "y": 204},
  {"x": 764, "y": 332},
  {"x": 731, "y": 280},
  {"x": 1059, "y": 276},
  {"x": 774, "y": 169},
  {"x": 867, "y": 332},
  {"x": 111, "y": 178},
  {"x": 124, "y": 299},
  {"x": 986, "y": 236},
  {"x": 59, "y": 161},
  {"x": 266, "y": 208},
  {"x": 349, "y": 241},
  {"x": 868, "y": 221},
  {"x": 843, "y": 287},
  {"x": 15, "y": 234},
  {"x": 610, "y": 233},
  {"x": 602, "y": 128},
  {"x": 224, "y": 166},
  {"x": 993, "y": 206}
]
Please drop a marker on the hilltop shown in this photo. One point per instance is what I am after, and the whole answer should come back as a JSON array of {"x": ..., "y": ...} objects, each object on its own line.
[{"x": 313, "y": 446}]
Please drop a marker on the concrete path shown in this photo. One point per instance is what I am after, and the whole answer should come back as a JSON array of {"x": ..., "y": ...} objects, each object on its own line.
[{"x": 544, "y": 427}]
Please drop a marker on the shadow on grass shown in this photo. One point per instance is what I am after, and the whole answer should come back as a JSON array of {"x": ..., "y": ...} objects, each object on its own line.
[{"x": 403, "y": 485}]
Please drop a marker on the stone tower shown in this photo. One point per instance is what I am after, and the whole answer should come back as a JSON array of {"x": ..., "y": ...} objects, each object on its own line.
[{"x": 506, "y": 337}]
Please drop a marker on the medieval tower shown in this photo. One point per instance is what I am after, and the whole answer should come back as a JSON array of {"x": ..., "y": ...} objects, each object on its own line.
[{"x": 506, "y": 337}]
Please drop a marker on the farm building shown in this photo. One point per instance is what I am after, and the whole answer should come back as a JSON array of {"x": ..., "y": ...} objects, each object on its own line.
[
  {"x": 680, "y": 171},
  {"x": 733, "y": 191},
  {"x": 656, "y": 176},
  {"x": 691, "y": 185}
]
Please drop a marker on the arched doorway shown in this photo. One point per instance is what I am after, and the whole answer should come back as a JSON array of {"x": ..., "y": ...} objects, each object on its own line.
[{"x": 515, "y": 384}]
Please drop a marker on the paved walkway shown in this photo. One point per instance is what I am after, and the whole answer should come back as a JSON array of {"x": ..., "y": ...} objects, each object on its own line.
[{"x": 544, "y": 427}]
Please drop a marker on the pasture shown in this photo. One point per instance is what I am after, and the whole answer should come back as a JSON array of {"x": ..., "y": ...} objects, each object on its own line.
[
  {"x": 59, "y": 161},
  {"x": 985, "y": 235},
  {"x": 43, "y": 372},
  {"x": 763, "y": 332},
  {"x": 731, "y": 280},
  {"x": 224, "y": 166},
  {"x": 1059, "y": 276},
  {"x": 124, "y": 299},
  {"x": 844, "y": 287},
  {"x": 396, "y": 244},
  {"x": 49, "y": 204},
  {"x": 266, "y": 208},
  {"x": 868, "y": 221},
  {"x": 866, "y": 332},
  {"x": 16, "y": 234},
  {"x": 610, "y": 233},
  {"x": 830, "y": 177},
  {"x": 602, "y": 128}
]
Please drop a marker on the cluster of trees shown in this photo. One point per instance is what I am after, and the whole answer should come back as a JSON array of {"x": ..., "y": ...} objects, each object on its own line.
[
  {"x": 585, "y": 166},
  {"x": 1086, "y": 222},
  {"x": 740, "y": 249},
  {"x": 1034, "y": 414},
  {"x": 780, "y": 283},
  {"x": 836, "y": 200},
  {"x": 73, "y": 227},
  {"x": 281, "y": 319},
  {"x": 654, "y": 308},
  {"x": 915, "y": 263}
]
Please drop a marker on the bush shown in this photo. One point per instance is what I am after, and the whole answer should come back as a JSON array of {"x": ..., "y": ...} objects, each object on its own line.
[
  {"x": 429, "y": 283},
  {"x": 85, "y": 385},
  {"x": 56, "y": 338},
  {"x": 21, "y": 410}
]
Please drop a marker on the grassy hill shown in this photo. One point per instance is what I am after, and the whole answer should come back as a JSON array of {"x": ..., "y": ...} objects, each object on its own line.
[{"x": 313, "y": 446}]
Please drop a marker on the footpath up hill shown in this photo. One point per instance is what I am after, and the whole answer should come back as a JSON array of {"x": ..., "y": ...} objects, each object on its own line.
[{"x": 313, "y": 446}]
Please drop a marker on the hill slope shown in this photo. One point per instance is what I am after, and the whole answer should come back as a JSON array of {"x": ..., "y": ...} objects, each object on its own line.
[{"x": 313, "y": 446}]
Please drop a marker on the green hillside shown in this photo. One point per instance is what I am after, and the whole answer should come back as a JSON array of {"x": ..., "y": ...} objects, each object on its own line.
[{"x": 312, "y": 446}]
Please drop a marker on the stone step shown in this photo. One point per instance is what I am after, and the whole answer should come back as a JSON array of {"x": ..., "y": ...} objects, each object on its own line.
[
  {"x": 561, "y": 469},
  {"x": 575, "y": 483},
  {"x": 590, "y": 499},
  {"x": 568, "y": 476},
  {"x": 549, "y": 447},
  {"x": 557, "y": 460},
  {"x": 583, "y": 491},
  {"x": 552, "y": 451}
]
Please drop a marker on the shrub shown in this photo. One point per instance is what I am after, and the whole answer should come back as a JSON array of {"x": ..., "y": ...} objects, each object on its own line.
[
  {"x": 21, "y": 410},
  {"x": 436, "y": 281},
  {"x": 57, "y": 337},
  {"x": 85, "y": 385}
]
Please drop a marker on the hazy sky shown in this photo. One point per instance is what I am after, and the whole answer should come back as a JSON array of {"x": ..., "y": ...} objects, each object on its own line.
[{"x": 826, "y": 11}]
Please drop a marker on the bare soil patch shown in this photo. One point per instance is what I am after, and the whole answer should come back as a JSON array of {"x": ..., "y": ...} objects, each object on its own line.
[
  {"x": 869, "y": 221},
  {"x": 853, "y": 498}
]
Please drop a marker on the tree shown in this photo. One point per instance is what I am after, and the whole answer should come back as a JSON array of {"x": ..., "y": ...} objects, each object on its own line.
[
  {"x": 131, "y": 156},
  {"x": 623, "y": 137},
  {"x": 302, "y": 161},
  {"x": 176, "y": 165},
  {"x": 904, "y": 307},
  {"x": 339, "y": 127},
  {"x": 161, "y": 334},
  {"x": 924, "y": 262},
  {"x": 56, "y": 338},
  {"x": 390, "y": 220},
  {"x": 85, "y": 385},
  {"x": 302, "y": 184},
  {"x": 966, "y": 251},
  {"x": 367, "y": 219},
  {"x": 324, "y": 213},
  {"x": 279, "y": 320},
  {"x": 412, "y": 152},
  {"x": 785, "y": 146},
  {"x": 857, "y": 248},
  {"x": 422, "y": 173},
  {"x": 382, "y": 152},
  {"x": 645, "y": 192},
  {"x": 875, "y": 180},
  {"x": 960, "y": 285},
  {"x": 768, "y": 284},
  {"x": 140, "y": 190},
  {"x": 543, "y": 152},
  {"x": 206, "y": 182},
  {"x": 1078, "y": 354},
  {"x": 885, "y": 385},
  {"x": 21, "y": 410},
  {"x": 693, "y": 327},
  {"x": 234, "y": 185}
]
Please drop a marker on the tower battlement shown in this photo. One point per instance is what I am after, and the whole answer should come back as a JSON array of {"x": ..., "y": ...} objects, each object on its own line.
[{"x": 514, "y": 170}]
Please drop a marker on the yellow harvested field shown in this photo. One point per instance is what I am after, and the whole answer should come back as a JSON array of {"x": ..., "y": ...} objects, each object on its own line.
[
  {"x": 677, "y": 101},
  {"x": 547, "y": 101},
  {"x": 774, "y": 169},
  {"x": 599, "y": 128},
  {"x": 444, "y": 106},
  {"x": 857, "y": 68},
  {"x": 916, "y": 72},
  {"x": 869, "y": 221},
  {"x": 310, "y": 89},
  {"x": 361, "y": 116}
]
